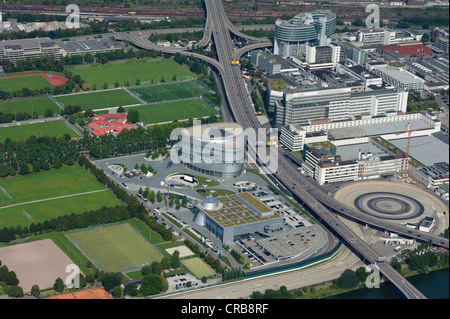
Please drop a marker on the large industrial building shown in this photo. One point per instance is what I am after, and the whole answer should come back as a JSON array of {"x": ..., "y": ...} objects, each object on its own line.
[
  {"x": 230, "y": 216},
  {"x": 14, "y": 50},
  {"x": 309, "y": 27}
]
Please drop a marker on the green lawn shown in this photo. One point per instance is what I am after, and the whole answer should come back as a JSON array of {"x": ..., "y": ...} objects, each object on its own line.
[
  {"x": 68, "y": 180},
  {"x": 52, "y": 183},
  {"x": 35, "y": 82},
  {"x": 116, "y": 247},
  {"x": 170, "y": 111},
  {"x": 24, "y": 131},
  {"x": 99, "y": 100},
  {"x": 198, "y": 267},
  {"x": 39, "y": 105},
  {"x": 147, "y": 70},
  {"x": 46, "y": 210},
  {"x": 168, "y": 92}
]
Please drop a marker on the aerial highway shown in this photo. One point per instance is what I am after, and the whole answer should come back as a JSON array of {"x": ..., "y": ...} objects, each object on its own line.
[{"x": 323, "y": 206}]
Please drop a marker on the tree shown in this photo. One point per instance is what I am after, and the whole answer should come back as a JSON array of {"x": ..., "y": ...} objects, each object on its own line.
[
  {"x": 110, "y": 280},
  {"x": 133, "y": 116},
  {"x": 11, "y": 279},
  {"x": 152, "y": 285},
  {"x": 146, "y": 270},
  {"x": 35, "y": 291},
  {"x": 348, "y": 279},
  {"x": 131, "y": 290},
  {"x": 15, "y": 291},
  {"x": 58, "y": 286},
  {"x": 156, "y": 268},
  {"x": 117, "y": 292},
  {"x": 175, "y": 259}
]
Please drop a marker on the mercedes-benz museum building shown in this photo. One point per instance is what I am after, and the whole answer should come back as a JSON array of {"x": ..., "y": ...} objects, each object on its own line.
[
  {"x": 307, "y": 27},
  {"x": 216, "y": 149}
]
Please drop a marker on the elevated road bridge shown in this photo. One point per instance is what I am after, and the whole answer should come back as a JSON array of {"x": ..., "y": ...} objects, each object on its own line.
[{"x": 323, "y": 206}]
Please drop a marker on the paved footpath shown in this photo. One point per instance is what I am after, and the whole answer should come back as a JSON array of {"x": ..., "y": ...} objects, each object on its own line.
[{"x": 46, "y": 199}]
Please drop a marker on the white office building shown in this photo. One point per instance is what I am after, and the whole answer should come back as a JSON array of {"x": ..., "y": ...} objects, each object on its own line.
[
  {"x": 309, "y": 27},
  {"x": 293, "y": 137},
  {"x": 337, "y": 104}
]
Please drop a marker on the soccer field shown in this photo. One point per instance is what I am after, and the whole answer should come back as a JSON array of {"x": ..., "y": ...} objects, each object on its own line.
[
  {"x": 169, "y": 91},
  {"x": 40, "y": 192},
  {"x": 176, "y": 110},
  {"x": 116, "y": 247},
  {"x": 99, "y": 100},
  {"x": 146, "y": 71},
  {"x": 39, "y": 105},
  {"x": 22, "y": 132}
]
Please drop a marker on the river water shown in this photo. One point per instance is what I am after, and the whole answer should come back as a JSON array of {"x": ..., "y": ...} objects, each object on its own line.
[{"x": 434, "y": 285}]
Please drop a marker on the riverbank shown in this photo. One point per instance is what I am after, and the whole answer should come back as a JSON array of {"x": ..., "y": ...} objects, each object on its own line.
[{"x": 434, "y": 285}]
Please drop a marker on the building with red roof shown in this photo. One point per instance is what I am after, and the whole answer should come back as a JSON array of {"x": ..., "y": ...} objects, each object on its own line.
[
  {"x": 109, "y": 124},
  {"x": 408, "y": 50}
]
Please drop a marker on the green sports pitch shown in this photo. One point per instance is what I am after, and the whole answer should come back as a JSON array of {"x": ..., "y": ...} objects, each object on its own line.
[
  {"x": 49, "y": 194},
  {"x": 115, "y": 248},
  {"x": 169, "y": 91},
  {"x": 22, "y": 132},
  {"x": 39, "y": 105},
  {"x": 147, "y": 71},
  {"x": 174, "y": 110},
  {"x": 35, "y": 82},
  {"x": 99, "y": 100}
]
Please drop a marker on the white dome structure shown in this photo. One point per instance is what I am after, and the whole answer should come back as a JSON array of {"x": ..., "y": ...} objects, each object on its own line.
[{"x": 209, "y": 203}]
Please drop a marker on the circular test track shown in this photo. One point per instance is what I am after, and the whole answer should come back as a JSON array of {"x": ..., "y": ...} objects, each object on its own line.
[{"x": 391, "y": 201}]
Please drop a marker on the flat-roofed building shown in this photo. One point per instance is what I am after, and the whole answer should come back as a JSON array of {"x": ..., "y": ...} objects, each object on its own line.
[
  {"x": 400, "y": 78},
  {"x": 427, "y": 224},
  {"x": 227, "y": 217},
  {"x": 300, "y": 106},
  {"x": 92, "y": 46},
  {"x": 378, "y": 166},
  {"x": 14, "y": 50},
  {"x": 293, "y": 137}
]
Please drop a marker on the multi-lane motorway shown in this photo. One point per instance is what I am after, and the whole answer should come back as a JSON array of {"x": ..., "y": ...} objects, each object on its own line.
[{"x": 219, "y": 28}]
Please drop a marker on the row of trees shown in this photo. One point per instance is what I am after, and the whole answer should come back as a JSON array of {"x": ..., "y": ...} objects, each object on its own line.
[{"x": 46, "y": 152}]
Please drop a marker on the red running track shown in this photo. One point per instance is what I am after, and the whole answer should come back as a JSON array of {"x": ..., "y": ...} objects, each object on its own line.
[{"x": 55, "y": 80}]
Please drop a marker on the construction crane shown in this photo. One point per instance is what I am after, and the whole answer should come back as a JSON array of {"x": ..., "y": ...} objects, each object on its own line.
[{"x": 408, "y": 131}]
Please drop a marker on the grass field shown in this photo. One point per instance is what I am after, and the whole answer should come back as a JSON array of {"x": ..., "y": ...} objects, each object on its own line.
[
  {"x": 147, "y": 70},
  {"x": 169, "y": 91},
  {"x": 115, "y": 247},
  {"x": 39, "y": 105},
  {"x": 46, "y": 185},
  {"x": 198, "y": 267},
  {"x": 36, "y": 82},
  {"x": 176, "y": 110},
  {"x": 23, "y": 132},
  {"x": 99, "y": 100}
]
